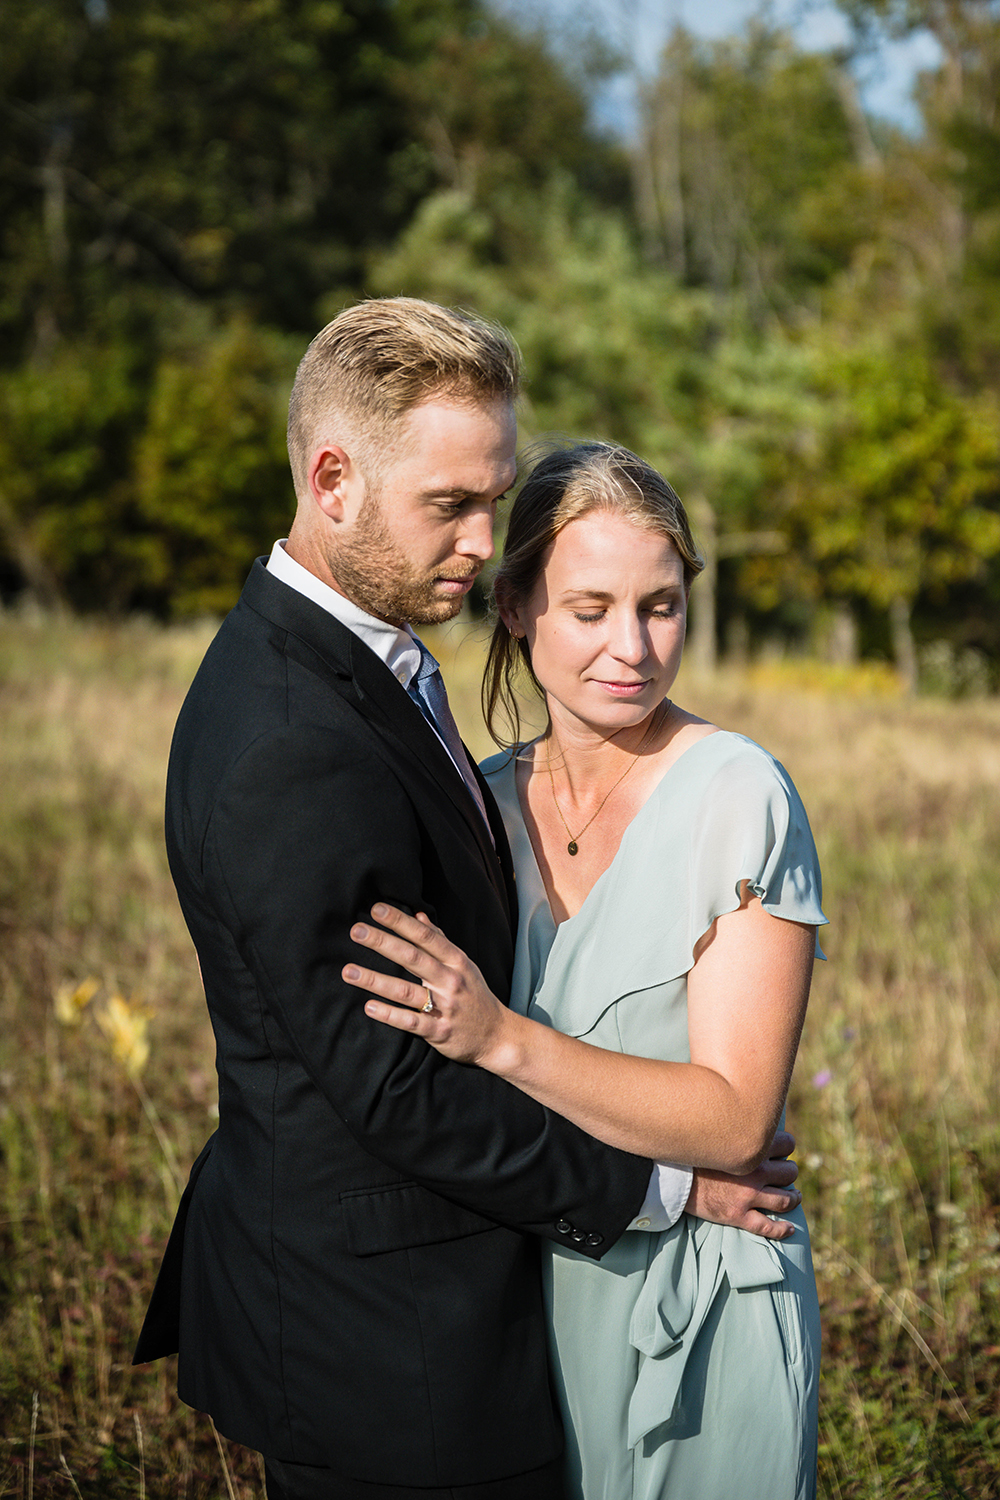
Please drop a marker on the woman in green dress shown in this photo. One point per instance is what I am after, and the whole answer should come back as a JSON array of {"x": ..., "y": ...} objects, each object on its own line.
[{"x": 669, "y": 896}]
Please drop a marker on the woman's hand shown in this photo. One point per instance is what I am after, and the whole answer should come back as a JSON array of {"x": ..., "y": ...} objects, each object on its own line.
[{"x": 468, "y": 1022}]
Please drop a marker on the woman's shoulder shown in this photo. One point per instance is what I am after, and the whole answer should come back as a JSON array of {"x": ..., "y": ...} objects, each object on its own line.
[
  {"x": 497, "y": 763},
  {"x": 727, "y": 787},
  {"x": 500, "y": 767},
  {"x": 723, "y": 754}
]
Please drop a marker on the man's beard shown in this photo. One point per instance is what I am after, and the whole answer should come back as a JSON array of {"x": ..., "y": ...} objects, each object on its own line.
[{"x": 372, "y": 571}]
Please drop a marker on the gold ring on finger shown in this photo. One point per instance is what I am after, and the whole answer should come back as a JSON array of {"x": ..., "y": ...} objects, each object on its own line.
[{"x": 428, "y": 1006}]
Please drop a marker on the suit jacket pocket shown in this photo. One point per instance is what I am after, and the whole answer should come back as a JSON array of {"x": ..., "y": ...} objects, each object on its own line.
[{"x": 401, "y": 1215}]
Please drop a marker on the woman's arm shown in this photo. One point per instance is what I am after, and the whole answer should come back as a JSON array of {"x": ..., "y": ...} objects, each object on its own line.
[{"x": 747, "y": 994}]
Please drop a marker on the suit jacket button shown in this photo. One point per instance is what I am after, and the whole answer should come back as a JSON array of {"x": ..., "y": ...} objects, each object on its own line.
[
  {"x": 595, "y": 1239},
  {"x": 578, "y": 1236},
  {"x": 563, "y": 1227}
]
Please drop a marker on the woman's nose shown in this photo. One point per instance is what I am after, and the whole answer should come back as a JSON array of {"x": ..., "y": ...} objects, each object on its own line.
[{"x": 628, "y": 639}]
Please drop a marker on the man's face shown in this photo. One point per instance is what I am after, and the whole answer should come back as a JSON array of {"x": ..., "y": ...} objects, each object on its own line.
[{"x": 424, "y": 529}]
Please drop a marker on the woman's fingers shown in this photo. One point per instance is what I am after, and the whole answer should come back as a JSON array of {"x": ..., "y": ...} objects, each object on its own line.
[
  {"x": 388, "y": 986},
  {"x": 418, "y": 930},
  {"x": 466, "y": 1018},
  {"x": 399, "y": 951},
  {"x": 403, "y": 1020}
]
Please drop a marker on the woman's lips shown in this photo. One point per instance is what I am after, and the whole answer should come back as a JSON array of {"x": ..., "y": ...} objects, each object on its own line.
[{"x": 624, "y": 689}]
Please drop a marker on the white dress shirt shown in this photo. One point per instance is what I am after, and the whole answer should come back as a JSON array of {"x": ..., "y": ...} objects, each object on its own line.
[
  {"x": 670, "y": 1184},
  {"x": 396, "y": 645}
]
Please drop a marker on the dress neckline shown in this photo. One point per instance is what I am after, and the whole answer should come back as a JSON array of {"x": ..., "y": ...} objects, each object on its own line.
[{"x": 558, "y": 926}]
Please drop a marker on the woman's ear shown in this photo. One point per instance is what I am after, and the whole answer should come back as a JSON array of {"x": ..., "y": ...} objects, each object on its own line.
[{"x": 507, "y": 610}]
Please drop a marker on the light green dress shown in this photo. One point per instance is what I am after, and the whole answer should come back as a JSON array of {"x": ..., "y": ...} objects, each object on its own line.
[{"x": 687, "y": 1362}]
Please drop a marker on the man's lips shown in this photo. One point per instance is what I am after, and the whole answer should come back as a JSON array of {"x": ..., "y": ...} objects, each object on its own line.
[{"x": 456, "y": 585}]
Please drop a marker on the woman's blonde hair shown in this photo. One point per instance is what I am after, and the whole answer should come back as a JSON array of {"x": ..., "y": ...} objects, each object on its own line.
[{"x": 562, "y": 485}]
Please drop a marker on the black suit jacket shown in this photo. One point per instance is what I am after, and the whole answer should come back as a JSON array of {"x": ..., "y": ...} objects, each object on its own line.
[{"x": 349, "y": 1281}]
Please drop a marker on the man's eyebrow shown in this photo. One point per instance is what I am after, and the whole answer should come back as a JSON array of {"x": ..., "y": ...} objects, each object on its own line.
[{"x": 458, "y": 494}]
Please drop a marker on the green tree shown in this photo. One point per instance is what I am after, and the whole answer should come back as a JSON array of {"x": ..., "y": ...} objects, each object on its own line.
[
  {"x": 127, "y": 489},
  {"x": 233, "y": 149},
  {"x": 737, "y": 139},
  {"x": 66, "y": 434},
  {"x": 212, "y": 484},
  {"x": 895, "y": 501}
]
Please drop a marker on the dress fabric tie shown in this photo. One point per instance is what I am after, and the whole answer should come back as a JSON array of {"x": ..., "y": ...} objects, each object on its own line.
[
  {"x": 675, "y": 1301},
  {"x": 428, "y": 692}
]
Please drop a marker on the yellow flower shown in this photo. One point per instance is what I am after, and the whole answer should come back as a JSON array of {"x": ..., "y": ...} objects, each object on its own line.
[
  {"x": 125, "y": 1026},
  {"x": 72, "y": 1000}
]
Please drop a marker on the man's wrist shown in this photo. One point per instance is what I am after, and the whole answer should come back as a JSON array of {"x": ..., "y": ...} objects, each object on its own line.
[{"x": 666, "y": 1197}]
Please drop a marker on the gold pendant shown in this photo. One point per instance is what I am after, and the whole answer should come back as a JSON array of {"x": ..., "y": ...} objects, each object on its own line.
[{"x": 571, "y": 846}]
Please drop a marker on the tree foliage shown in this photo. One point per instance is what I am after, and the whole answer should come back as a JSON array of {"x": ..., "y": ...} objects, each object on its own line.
[{"x": 789, "y": 307}]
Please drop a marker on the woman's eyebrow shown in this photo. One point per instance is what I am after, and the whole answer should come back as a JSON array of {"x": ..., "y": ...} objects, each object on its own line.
[{"x": 583, "y": 592}]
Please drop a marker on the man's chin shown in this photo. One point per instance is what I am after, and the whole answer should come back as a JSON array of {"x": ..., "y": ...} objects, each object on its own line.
[{"x": 437, "y": 611}]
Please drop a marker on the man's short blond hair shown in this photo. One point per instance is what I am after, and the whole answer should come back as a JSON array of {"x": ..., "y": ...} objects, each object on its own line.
[{"x": 364, "y": 371}]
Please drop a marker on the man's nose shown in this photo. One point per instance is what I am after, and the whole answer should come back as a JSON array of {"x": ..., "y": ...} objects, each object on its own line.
[{"x": 476, "y": 539}]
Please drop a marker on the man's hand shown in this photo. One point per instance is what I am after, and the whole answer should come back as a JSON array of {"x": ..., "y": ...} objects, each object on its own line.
[{"x": 745, "y": 1202}]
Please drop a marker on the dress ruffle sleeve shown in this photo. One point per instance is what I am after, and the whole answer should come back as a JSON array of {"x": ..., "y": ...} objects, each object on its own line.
[
  {"x": 750, "y": 826},
  {"x": 726, "y": 812}
]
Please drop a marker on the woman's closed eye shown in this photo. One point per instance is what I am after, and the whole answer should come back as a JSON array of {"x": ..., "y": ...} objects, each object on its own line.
[{"x": 662, "y": 612}]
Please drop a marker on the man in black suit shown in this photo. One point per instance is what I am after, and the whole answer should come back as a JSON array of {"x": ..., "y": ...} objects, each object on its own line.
[{"x": 352, "y": 1280}]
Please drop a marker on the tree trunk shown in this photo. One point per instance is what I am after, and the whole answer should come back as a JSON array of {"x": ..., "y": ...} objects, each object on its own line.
[
  {"x": 902, "y": 643},
  {"x": 842, "y": 636},
  {"x": 702, "y": 652},
  {"x": 40, "y": 581}
]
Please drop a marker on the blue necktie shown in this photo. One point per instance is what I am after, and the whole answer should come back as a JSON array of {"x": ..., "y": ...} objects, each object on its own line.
[{"x": 428, "y": 692}]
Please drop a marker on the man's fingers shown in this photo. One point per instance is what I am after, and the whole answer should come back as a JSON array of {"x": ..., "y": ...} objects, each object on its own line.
[
  {"x": 777, "y": 1173},
  {"x": 777, "y": 1201},
  {"x": 783, "y": 1144},
  {"x": 769, "y": 1229}
]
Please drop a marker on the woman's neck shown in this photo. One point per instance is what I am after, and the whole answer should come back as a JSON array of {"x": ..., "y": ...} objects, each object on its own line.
[
  {"x": 583, "y": 789},
  {"x": 585, "y": 758}
]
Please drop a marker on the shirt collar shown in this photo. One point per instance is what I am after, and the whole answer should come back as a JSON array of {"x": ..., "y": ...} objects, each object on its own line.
[{"x": 397, "y": 647}]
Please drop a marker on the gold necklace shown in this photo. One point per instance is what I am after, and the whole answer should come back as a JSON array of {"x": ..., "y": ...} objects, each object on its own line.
[{"x": 574, "y": 839}]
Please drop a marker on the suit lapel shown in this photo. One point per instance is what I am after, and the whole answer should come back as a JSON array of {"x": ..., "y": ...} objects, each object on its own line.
[
  {"x": 501, "y": 844},
  {"x": 386, "y": 703},
  {"x": 328, "y": 648}
]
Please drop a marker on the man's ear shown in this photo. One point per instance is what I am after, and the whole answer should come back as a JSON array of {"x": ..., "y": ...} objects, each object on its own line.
[{"x": 335, "y": 482}]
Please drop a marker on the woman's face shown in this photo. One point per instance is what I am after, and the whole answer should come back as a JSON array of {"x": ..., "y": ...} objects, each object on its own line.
[{"x": 605, "y": 623}]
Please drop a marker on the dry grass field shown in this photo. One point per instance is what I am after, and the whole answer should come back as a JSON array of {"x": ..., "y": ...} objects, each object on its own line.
[{"x": 107, "y": 1082}]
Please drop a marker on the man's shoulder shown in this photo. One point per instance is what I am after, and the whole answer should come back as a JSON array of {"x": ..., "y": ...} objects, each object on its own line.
[
  {"x": 249, "y": 670},
  {"x": 265, "y": 676}
]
